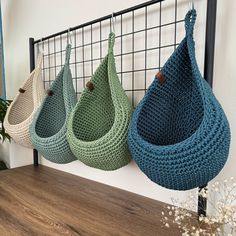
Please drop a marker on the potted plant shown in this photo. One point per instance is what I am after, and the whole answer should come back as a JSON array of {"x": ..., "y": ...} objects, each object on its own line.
[{"x": 3, "y": 135}]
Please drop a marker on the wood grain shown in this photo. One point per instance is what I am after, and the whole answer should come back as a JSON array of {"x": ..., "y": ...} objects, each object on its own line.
[{"x": 44, "y": 201}]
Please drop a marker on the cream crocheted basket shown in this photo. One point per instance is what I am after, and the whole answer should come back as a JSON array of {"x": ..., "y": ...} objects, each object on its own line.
[{"x": 20, "y": 113}]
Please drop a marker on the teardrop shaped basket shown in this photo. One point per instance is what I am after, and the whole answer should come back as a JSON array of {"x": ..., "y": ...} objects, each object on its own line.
[
  {"x": 20, "y": 113},
  {"x": 48, "y": 130},
  {"x": 179, "y": 135},
  {"x": 98, "y": 126}
]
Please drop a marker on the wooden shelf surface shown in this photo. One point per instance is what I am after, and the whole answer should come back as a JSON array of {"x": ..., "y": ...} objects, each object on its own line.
[{"x": 44, "y": 201}]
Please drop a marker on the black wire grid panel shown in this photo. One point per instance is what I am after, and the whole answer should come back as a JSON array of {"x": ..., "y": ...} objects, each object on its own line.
[
  {"x": 145, "y": 38},
  {"x": 146, "y": 35}
]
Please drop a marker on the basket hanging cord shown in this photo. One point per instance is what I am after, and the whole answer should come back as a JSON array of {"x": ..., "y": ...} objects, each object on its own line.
[
  {"x": 38, "y": 66},
  {"x": 39, "y": 60},
  {"x": 40, "y": 54},
  {"x": 111, "y": 42},
  {"x": 191, "y": 4},
  {"x": 68, "y": 52},
  {"x": 66, "y": 66},
  {"x": 190, "y": 20},
  {"x": 113, "y": 18},
  {"x": 112, "y": 35},
  {"x": 70, "y": 98}
]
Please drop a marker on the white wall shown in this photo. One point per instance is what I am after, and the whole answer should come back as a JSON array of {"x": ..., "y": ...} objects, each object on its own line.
[
  {"x": 26, "y": 18},
  {"x": 225, "y": 73}
]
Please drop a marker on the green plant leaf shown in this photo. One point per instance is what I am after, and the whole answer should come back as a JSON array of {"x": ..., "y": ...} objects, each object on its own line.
[{"x": 4, "y": 104}]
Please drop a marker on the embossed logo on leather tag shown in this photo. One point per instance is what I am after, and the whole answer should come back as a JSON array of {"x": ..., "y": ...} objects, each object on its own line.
[
  {"x": 90, "y": 86},
  {"x": 49, "y": 92},
  {"x": 21, "y": 90},
  {"x": 160, "y": 77}
]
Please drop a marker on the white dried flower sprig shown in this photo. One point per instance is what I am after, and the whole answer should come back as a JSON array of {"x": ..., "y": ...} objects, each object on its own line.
[{"x": 222, "y": 199}]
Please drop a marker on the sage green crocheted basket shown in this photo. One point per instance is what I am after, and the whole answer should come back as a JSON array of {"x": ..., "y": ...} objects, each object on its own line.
[
  {"x": 98, "y": 125},
  {"x": 48, "y": 129}
]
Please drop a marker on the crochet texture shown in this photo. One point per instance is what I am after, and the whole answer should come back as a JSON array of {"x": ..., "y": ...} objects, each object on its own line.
[
  {"x": 98, "y": 125},
  {"x": 48, "y": 130},
  {"x": 20, "y": 113},
  {"x": 179, "y": 135}
]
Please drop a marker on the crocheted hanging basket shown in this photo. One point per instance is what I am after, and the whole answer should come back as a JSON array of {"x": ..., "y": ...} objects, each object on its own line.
[
  {"x": 20, "y": 113},
  {"x": 179, "y": 135},
  {"x": 48, "y": 130},
  {"x": 98, "y": 126}
]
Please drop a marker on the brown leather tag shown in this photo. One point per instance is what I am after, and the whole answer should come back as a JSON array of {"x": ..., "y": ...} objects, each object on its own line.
[
  {"x": 49, "y": 92},
  {"x": 90, "y": 86},
  {"x": 160, "y": 77},
  {"x": 21, "y": 90}
]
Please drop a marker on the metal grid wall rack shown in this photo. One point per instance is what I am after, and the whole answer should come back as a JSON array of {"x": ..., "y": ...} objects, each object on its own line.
[{"x": 89, "y": 40}]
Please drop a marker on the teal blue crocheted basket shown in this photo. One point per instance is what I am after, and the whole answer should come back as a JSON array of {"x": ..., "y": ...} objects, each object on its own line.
[
  {"x": 179, "y": 135},
  {"x": 49, "y": 126}
]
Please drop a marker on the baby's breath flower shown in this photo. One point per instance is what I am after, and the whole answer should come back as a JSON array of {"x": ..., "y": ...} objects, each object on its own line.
[
  {"x": 216, "y": 189},
  {"x": 201, "y": 218},
  {"x": 224, "y": 204}
]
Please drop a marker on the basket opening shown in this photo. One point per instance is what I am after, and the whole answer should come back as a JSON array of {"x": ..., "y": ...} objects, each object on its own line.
[
  {"x": 53, "y": 114},
  {"x": 95, "y": 114},
  {"x": 23, "y": 106},
  {"x": 173, "y": 111}
]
